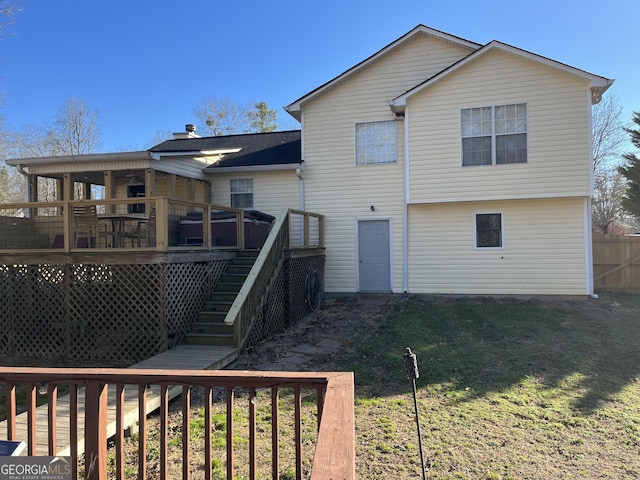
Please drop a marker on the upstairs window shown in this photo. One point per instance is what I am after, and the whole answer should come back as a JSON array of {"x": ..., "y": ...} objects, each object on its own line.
[
  {"x": 241, "y": 192},
  {"x": 488, "y": 230},
  {"x": 376, "y": 142},
  {"x": 494, "y": 135}
]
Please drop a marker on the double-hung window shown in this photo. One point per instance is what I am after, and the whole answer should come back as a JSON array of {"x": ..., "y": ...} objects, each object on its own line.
[
  {"x": 376, "y": 142},
  {"x": 489, "y": 230},
  {"x": 241, "y": 192},
  {"x": 494, "y": 135}
]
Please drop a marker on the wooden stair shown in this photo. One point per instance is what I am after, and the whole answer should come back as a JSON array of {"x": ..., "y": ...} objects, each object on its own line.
[{"x": 210, "y": 328}]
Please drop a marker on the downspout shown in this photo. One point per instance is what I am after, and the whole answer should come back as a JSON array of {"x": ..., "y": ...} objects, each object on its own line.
[
  {"x": 299, "y": 170},
  {"x": 588, "y": 222},
  {"x": 588, "y": 244},
  {"x": 28, "y": 183},
  {"x": 301, "y": 178},
  {"x": 405, "y": 212}
]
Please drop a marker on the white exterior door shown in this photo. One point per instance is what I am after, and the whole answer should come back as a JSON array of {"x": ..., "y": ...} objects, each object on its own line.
[{"x": 374, "y": 263}]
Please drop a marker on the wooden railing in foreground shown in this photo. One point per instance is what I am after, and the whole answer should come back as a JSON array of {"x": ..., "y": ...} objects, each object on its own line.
[
  {"x": 334, "y": 456},
  {"x": 254, "y": 293}
]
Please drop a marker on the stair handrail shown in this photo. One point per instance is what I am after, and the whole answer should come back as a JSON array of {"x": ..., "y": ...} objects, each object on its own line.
[{"x": 241, "y": 315}]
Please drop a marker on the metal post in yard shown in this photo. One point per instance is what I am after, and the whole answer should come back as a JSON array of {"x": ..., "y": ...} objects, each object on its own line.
[{"x": 411, "y": 366}]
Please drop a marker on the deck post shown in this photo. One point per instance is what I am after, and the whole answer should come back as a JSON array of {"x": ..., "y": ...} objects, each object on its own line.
[{"x": 95, "y": 425}]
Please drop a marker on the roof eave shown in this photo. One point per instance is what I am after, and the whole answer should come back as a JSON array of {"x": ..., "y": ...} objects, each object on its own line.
[
  {"x": 598, "y": 84},
  {"x": 598, "y": 90},
  {"x": 294, "y": 109},
  {"x": 91, "y": 157},
  {"x": 253, "y": 168},
  {"x": 195, "y": 153}
]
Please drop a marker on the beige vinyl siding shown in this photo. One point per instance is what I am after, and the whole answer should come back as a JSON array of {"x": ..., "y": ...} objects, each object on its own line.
[
  {"x": 272, "y": 191},
  {"x": 557, "y": 133},
  {"x": 190, "y": 168},
  {"x": 88, "y": 167},
  {"x": 543, "y": 253},
  {"x": 345, "y": 192},
  {"x": 334, "y": 185}
]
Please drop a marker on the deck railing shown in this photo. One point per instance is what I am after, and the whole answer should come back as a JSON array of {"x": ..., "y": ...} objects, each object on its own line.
[
  {"x": 291, "y": 229},
  {"x": 151, "y": 223},
  {"x": 94, "y": 398}
]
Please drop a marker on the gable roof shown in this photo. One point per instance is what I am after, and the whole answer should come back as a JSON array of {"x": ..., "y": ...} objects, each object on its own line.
[
  {"x": 598, "y": 84},
  {"x": 251, "y": 150},
  {"x": 294, "y": 109}
]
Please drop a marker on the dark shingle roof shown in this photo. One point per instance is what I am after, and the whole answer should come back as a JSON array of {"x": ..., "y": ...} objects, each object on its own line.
[{"x": 257, "y": 149}]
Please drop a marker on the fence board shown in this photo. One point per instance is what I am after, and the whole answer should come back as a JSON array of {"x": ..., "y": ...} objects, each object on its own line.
[{"x": 616, "y": 263}]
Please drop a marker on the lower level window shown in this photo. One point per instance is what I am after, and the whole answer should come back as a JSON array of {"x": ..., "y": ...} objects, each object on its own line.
[
  {"x": 488, "y": 230},
  {"x": 241, "y": 192}
]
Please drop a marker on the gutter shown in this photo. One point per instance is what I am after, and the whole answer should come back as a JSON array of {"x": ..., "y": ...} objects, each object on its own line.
[{"x": 252, "y": 168}]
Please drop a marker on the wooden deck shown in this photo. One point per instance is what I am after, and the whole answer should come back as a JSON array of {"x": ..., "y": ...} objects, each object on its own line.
[
  {"x": 191, "y": 357},
  {"x": 182, "y": 357}
]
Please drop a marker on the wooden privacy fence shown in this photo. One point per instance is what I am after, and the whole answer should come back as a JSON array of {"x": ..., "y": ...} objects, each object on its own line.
[{"x": 616, "y": 263}]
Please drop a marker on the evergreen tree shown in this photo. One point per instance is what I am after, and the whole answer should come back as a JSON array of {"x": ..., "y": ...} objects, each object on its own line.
[
  {"x": 631, "y": 171},
  {"x": 263, "y": 119}
]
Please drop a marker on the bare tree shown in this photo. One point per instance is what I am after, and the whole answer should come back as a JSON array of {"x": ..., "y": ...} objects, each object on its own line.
[
  {"x": 75, "y": 128},
  {"x": 609, "y": 185},
  {"x": 607, "y": 131},
  {"x": 72, "y": 131},
  {"x": 8, "y": 9},
  {"x": 4, "y": 135},
  {"x": 30, "y": 141},
  {"x": 11, "y": 183},
  {"x": 221, "y": 116},
  {"x": 159, "y": 137}
]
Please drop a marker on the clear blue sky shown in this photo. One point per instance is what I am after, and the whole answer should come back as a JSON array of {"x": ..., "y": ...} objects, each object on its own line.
[{"x": 145, "y": 65}]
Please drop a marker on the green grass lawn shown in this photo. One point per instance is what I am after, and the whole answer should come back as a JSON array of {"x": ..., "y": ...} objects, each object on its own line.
[{"x": 508, "y": 389}]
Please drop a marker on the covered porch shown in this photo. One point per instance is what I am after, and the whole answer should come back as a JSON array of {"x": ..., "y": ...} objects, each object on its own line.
[
  {"x": 133, "y": 284},
  {"x": 153, "y": 224}
]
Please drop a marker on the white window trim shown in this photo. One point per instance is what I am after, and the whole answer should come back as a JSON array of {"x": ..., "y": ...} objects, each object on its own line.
[
  {"x": 475, "y": 230},
  {"x": 252, "y": 192},
  {"x": 493, "y": 134},
  {"x": 355, "y": 143}
]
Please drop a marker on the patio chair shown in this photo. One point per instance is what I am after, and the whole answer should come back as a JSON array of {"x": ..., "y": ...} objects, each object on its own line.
[
  {"x": 144, "y": 230},
  {"x": 84, "y": 226}
]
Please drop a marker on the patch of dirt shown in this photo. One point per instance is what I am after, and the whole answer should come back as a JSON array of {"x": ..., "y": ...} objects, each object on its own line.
[{"x": 317, "y": 341}]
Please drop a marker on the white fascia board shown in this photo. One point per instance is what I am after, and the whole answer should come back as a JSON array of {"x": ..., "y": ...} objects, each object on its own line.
[
  {"x": 294, "y": 108},
  {"x": 91, "y": 157},
  {"x": 195, "y": 153},
  {"x": 598, "y": 84},
  {"x": 254, "y": 168}
]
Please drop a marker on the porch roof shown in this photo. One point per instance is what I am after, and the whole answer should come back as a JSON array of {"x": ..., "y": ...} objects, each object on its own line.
[
  {"x": 252, "y": 150},
  {"x": 86, "y": 158}
]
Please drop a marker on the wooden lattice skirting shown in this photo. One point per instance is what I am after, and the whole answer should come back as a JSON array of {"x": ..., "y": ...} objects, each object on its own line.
[{"x": 119, "y": 314}]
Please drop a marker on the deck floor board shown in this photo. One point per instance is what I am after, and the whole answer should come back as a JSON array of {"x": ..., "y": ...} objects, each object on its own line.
[{"x": 182, "y": 357}]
